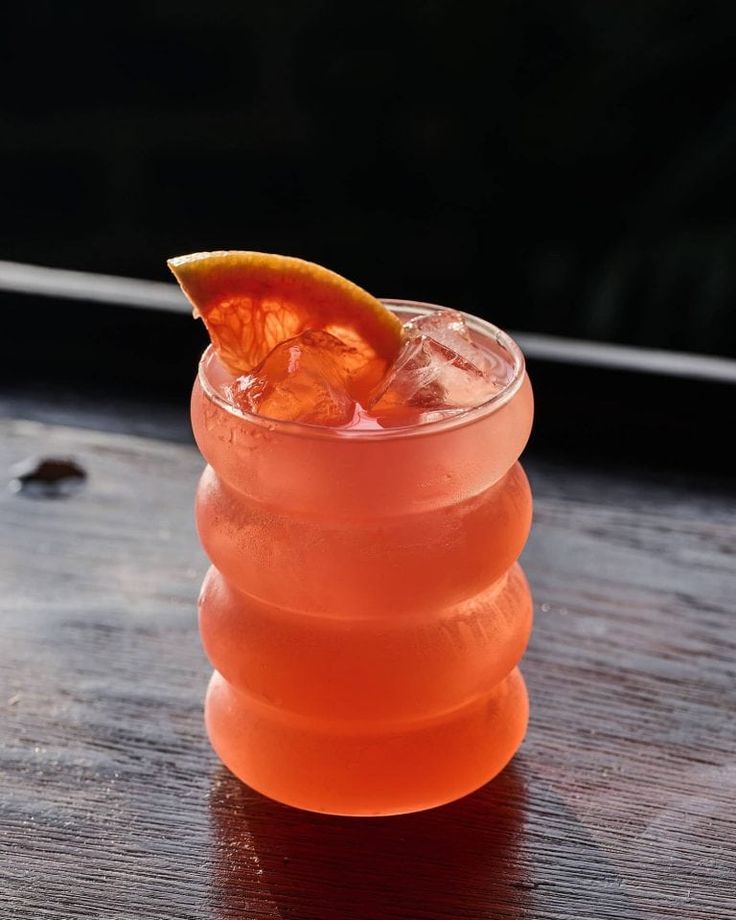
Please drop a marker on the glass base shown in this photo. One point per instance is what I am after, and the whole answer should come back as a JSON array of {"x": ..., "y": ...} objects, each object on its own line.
[{"x": 358, "y": 769}]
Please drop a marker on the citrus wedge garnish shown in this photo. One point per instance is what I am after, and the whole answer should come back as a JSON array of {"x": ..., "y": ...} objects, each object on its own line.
[{"x": 252, "y": 301}]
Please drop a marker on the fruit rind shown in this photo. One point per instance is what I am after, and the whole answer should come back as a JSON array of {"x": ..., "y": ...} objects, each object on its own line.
[{"x": 250, "y": 301}]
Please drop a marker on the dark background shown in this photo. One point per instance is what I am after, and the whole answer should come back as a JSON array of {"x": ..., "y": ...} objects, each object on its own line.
[{"x": 561, "y": 167}]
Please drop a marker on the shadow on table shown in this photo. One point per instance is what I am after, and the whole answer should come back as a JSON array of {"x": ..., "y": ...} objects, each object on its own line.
[
  {"x": 513, "y": 849},
  {"x": 453, "y": 861}
]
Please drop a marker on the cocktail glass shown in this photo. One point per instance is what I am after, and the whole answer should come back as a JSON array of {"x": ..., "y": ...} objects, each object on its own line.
[{"x": 365, "y": 611}]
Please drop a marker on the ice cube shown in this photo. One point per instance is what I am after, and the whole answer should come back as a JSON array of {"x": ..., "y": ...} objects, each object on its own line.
[
  {"x": 428, "y": 375},
  {"x": 304, "y": 379},
  {"x": 439, "y": 368},
  {"x": 448, "y": 328}
]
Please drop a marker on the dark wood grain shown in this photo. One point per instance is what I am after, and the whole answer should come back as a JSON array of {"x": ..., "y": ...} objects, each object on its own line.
[{"x": 621, "y": 804}]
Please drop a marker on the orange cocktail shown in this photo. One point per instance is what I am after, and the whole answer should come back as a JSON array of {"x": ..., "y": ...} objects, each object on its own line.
[
  {"x": 365, "y": 611},
  {"x": 363, "y": 508}
]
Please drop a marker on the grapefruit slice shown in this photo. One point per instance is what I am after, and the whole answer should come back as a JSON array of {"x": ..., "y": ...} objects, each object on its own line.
[{"x": 252, "y": 301}]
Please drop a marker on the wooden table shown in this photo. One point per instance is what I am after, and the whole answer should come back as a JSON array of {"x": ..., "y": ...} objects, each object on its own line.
[{"x": 622, "y": 801}]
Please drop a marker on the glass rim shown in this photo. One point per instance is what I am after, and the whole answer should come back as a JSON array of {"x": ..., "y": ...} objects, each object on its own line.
[{"x": 458, "y": 419}]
